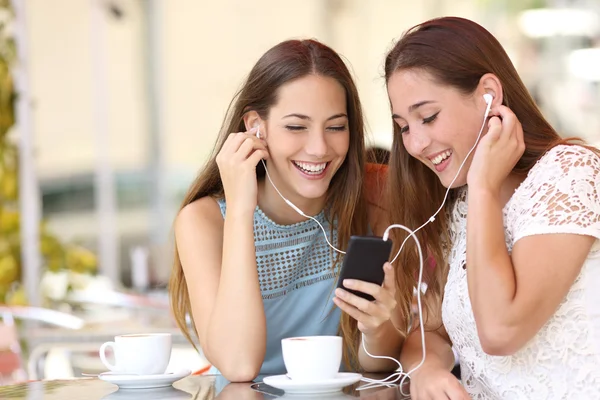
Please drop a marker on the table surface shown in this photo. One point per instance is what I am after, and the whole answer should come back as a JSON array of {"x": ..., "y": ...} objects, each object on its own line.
[{"x": 203, "y": 387}]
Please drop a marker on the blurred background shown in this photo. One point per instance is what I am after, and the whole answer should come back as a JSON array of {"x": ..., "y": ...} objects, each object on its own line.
[{"x": 118, "y": 104}]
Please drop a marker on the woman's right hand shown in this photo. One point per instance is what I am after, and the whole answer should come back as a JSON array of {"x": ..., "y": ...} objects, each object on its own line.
[
  {"x": 237, "y": 162},
  {"x": 436, "y": 383}
]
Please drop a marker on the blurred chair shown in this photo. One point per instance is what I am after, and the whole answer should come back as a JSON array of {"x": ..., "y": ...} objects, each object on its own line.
[
  {"x": 119, "y": 299},
  {"x": 12, "y": 366},
  {"x": 150, "y": 310},
  {"x": 11, "y": 360},
  {"x": 45, "y": 315}
]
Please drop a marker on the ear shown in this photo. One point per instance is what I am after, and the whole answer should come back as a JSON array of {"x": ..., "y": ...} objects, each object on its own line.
[
  {"x": 253, "y": 120},
  {"x": 489, "y": 83}
]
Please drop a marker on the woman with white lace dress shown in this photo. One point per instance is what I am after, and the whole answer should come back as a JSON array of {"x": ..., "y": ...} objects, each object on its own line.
[{"x": 516, "y": 290}]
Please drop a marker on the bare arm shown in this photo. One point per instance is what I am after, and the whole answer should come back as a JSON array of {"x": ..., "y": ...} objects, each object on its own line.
[
  {"x": 513, "y": 297},
  {"x": 219, "y": 262},
  {"x": 439, "y": 352},
  {"x": 433, "y": 379},
  {"x": 386, "y": 341}
]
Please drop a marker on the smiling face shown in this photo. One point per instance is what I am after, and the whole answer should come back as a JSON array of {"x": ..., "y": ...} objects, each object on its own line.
[
  {"x": 308, "y": 136},
  {"x": 439, "y": 125}
]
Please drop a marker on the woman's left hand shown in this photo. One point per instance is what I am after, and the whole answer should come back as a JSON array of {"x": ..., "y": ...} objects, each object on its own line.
[
  {"x": 498, "y": 151},
  {"x": 371, "y": 315}
]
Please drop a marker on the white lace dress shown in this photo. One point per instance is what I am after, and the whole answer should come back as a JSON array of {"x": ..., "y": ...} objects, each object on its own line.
[{"x": 559, "y": 195}]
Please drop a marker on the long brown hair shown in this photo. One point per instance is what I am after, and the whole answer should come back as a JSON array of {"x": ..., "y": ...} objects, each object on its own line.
[
  {"x": 456, "y": 52},
  {"x": 283, "y": 63}
]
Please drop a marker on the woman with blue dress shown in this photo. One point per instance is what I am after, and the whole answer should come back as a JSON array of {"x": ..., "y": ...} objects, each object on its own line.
[{"x": 259, "y": 231}]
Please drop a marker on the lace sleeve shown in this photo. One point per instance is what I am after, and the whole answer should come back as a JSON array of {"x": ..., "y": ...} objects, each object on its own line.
[{"x": 560, "y": 195}]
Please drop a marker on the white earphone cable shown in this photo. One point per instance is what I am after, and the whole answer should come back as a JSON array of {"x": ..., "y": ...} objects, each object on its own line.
[{"x": 400, "y": 374}]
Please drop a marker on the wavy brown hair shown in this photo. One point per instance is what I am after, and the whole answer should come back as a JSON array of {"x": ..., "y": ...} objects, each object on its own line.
[
  {"x": 283, "y": 63},
  {"x": 456, "y": 52}
]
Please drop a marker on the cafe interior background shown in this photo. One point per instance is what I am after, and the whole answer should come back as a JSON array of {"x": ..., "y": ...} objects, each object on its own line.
[{"x": 108, "y": 109}]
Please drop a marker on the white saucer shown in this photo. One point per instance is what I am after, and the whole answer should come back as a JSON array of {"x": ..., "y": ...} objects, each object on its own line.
[
  {"x": 290, "y": 386},
  {"x": 143, "y": 381},
  {"x": 150, "y": 394}
]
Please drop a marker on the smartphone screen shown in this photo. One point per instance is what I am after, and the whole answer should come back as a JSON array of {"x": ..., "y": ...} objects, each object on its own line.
[{"x": 364, "y": 261}]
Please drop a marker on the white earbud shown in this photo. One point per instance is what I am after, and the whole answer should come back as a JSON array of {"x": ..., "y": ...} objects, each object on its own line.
[
  {"x": 488, "y": 98},
  {"x": 258, "y": 131}
]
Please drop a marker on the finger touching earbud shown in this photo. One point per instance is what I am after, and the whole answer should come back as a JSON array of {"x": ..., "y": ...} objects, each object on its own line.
[{"x": 494, "y": 126}]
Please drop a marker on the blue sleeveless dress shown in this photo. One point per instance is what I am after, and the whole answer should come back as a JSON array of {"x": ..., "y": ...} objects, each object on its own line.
[{"x": 297, "y": 279}]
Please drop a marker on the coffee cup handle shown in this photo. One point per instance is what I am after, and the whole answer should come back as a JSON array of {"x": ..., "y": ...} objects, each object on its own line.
[{"x": 103, "y": 356}]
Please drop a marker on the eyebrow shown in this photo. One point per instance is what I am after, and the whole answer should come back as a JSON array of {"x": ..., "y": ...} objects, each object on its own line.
[
  {"x": 306, "y": 117},
  {"x": 414, "y": 107}
]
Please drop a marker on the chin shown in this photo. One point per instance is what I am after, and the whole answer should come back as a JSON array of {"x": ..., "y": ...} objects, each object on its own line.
[
  {"x": 460, "y": 182},
  {"x": 312, "y": 194},
  {"x": 447, "y": 179},
  {"x": 311, "y": 190}
]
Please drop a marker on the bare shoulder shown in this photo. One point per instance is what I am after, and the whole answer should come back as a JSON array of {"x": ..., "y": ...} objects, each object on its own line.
[{"x": 203, "y": 214}]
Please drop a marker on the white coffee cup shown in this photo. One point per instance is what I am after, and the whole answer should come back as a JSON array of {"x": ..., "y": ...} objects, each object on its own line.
[
  {"x": 312, "y": 358},
  {"x": 140, "y": 354}
]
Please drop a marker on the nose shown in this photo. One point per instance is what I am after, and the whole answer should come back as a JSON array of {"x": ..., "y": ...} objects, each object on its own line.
[
  {"x": 416, "y": 142},
  {"x": 316, "y": 144}
]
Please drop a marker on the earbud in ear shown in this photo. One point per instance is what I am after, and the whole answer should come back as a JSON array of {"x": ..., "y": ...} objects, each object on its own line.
[
  {"x": 488, "y": 98},
  {"x": 258, "y": 131}
]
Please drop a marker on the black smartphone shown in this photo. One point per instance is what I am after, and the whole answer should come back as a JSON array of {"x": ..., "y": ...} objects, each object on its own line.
[{"x": 364, "y": 261}]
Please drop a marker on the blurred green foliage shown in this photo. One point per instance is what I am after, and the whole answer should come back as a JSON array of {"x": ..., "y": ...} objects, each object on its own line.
[{"x": 56, "y": 256}]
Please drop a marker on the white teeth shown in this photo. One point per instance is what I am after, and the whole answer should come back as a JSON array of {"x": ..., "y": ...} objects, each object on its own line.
[
  {"x": 441, "y": 157},
  {"x": 315, "y": 169}
]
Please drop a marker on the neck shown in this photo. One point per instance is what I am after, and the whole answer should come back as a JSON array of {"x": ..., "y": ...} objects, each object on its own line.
[{"x": 279, "y": 211}]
